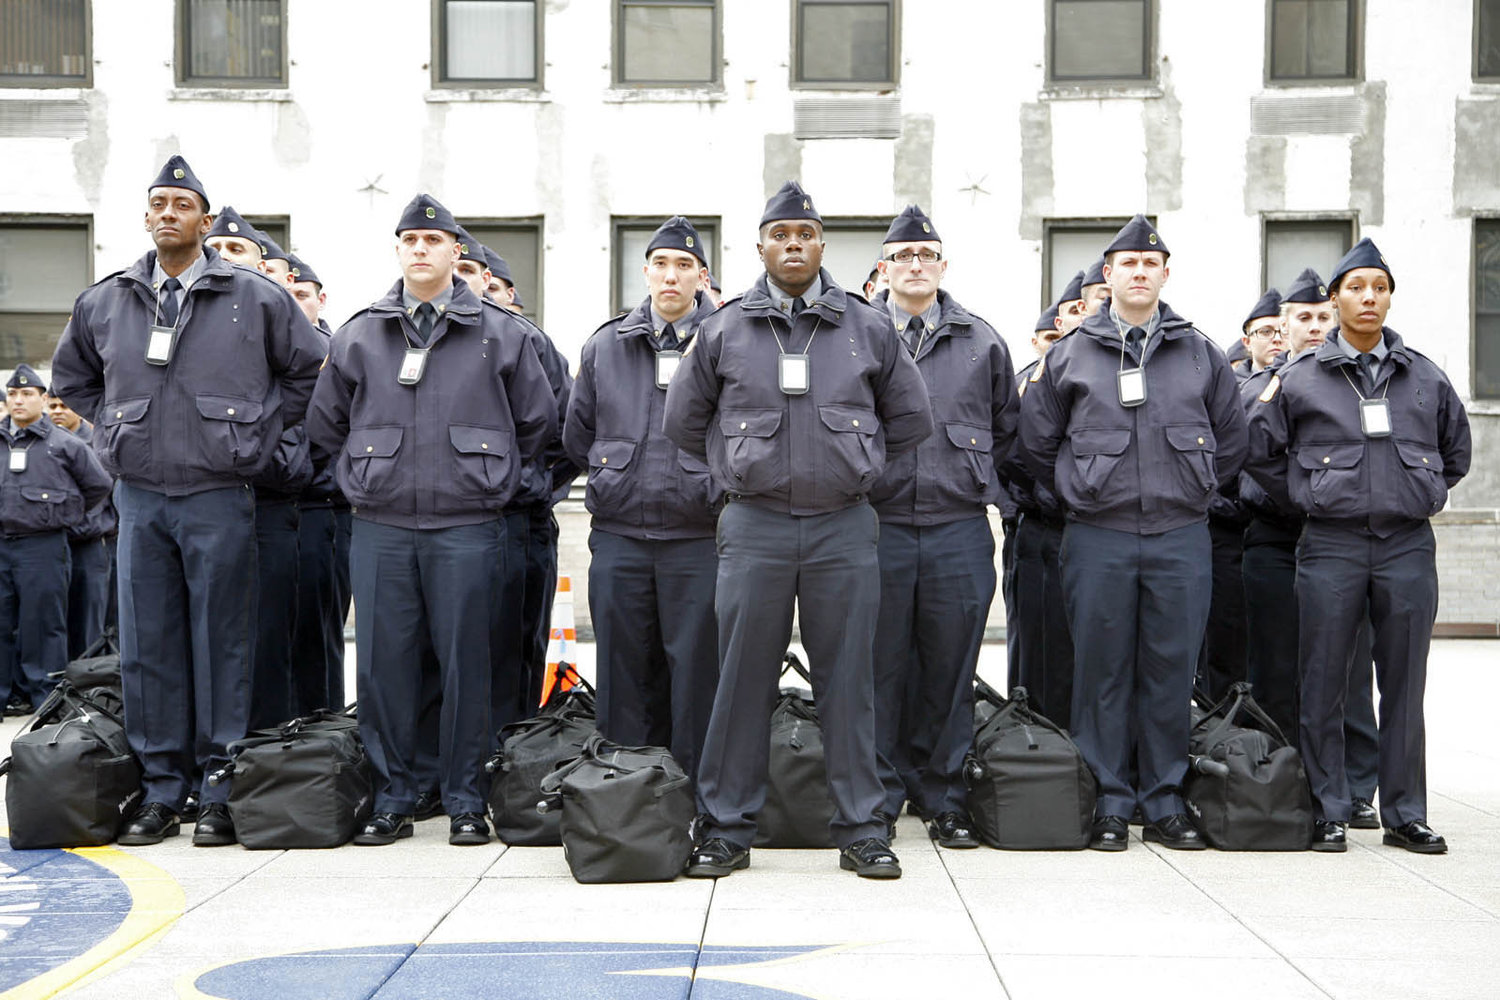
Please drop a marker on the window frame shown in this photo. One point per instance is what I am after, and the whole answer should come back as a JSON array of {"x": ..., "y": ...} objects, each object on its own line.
[
  {"x": 439, "y": 57},
  {"x": 57, "y": 220},
  {"x": 1148, "y": 52},
  {"x": 619, "y": 223},
  {"x": 50, "y": 81},
  {"x": 533, "y": 310},
  {"x": 795, "y": 51},
  {"x": 1474, "y": 390},
  {"x": 1475, "y": 75},
  {"x": 1107, "y": 224},
  {"x": 284, "y": 222},
  {"x": 1355, "y": 53},
  {"x": 877, "y": 224},
  {"x": 1269, "y": 220},
  {"x": 183, "y": 52},
  {"x": 716, "y": 56}
]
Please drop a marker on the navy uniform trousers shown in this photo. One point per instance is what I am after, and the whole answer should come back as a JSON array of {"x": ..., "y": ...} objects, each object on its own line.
[
  {"x": 652, "y": 605},
  {"x": 187, "y": 574},
  {"x": 826, "y": 564},
  {"x": 272, "y": 687},
  {"x": 1221, "y": 661},
  {"x": 418, "y": 590},
  {"x": 510, "y": 691},
  {"x": 1044, "y": 646},
  {"x": 1008, "y": 528},
  {"x": 1341, "y": 572},
  {"x": 33, "y": 612},
  {"x": 936, "y": 586},
  {"x": 88, "y": 592},
  {"x": 322, "y": 609},
  {"x": 541, "y": 590},
  {"x": 1138, "y": 607}
]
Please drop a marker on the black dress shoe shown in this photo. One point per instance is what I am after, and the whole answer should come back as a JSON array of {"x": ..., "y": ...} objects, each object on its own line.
[
  {"x": 870, "y": 858},
  {"x": 151, "y": 824},
  {"x": 1416, "y": 837},
  {"x": 1363, "y": 815},
  {"x": 953, "y": 830},
  {"x": 1175, "y": 832},
  {"x": 1328, "y": 837},
  {"x": 468, "y": 830},
  {"x": 1110, "y": 833},
  {"x": 214, "y": 828},
  {"x": 190, "y": 807},
  {"x": 382, "y": 829},
  {"x": 715, "y": 858},
  {"x": 18, "y": 705},
  {"x": 429, "y": 804}
]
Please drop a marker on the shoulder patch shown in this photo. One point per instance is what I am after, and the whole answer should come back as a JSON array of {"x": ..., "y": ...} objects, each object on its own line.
[
  {"x": 1021, "y": 391},
  {"x": 1269, "y": 392},
  {"x": 1036, "y": 376}
]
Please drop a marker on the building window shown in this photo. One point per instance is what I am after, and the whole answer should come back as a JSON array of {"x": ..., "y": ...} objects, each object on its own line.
[
  {"x": 278, "y": 227},
  {"x": 519, "y": 241},
  {"x": 487, "y": 43},
  {"x": 666, "y": 43},
  {"x": 1070, "y": 246},
  {"x": 1486, "y": 39},
  {"x": 1314, "y": 40},
  {"x": 837, "y": 43},
  {"x": 232, "y": 43},
  {"x": 1104, "y": 40},
  {"x": 44, "y": 43},
  {"x": 45, "y": 262},
  {"x": 852, "y": 246},
  {"x": 631, "y": 234},
  {"x": 1487, "y": 308},
  {"x": 1294, "y": 244}
]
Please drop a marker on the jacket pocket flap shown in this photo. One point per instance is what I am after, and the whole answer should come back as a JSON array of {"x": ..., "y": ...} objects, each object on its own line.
[
  {"x": 1419, "y": 456},
  {"x": 611, "y": 453},
  {"x": 691, "y": 463},
  {"x": 124, "y": 411},
  {"x": 1330, "y": 456},
  {"x": 1190, "y": 437},
  {"x": 235, "y": 409},
  {"x": 478, "y": 440},
  {"x": 373, "y": 442},
  {"x": 851, "y": 419},
  {"x": 45, "y": 494},
  {"x": 970, "y": 437},
  {"x": 1100, "y": 440},
  {"x": 749, "y": 423}
]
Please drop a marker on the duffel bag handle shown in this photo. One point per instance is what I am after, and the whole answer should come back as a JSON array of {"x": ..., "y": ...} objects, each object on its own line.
[
  {"x": 791, "y": 661},
  {"x": 554, "y": 779},
  {"x": 1239, "y": 699},
  {"x": 671, "y": 785}
]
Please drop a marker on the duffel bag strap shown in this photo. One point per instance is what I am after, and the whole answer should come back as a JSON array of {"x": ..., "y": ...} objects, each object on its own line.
[
  {"x": 1252, "y": 708},
  {"x": 791, "y": 661},
  {"x": 588, "y": 752},
  {"x": 984, "y": 692},
  {"x": 1219, "y": 721},
  {"x": 670, "y": 785}
]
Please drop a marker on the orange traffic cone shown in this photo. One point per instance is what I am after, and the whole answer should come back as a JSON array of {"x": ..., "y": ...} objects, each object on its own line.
[{"x": 562, "y": 674}]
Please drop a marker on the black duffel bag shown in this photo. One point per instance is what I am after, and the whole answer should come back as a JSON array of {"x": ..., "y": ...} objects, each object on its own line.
[
  {"x": 797, "y": 810},
  {"x": 306, "y": 783},
  {"x": 530, "y": 750},
  {"x": 1029, "y": 787},
  {"x": 73, "y": 780},
  {"x": 1246, "y": 789},
  {"x": 626, "y": 813},
  {"x": 98, "y": 665}
]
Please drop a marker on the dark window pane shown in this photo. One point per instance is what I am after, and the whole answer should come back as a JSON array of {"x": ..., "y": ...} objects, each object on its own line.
[
  {"x": 520, "y": 245},
  {"x": 852, "y": 250},
  {"x": 1487, "y": 308},
  {"x": 43, "y": 38},
  {"x": 669, "y": 43},
  {"x": 42, "y": 270},
  {"x": 490, "y": 40},
  {"x": 1074, "y": 249},
  {"x": 1292, "y": 246},
  {"x": 235, "y": 40},
  {"x": 1310, "y": 39},
  {"x": 1487, "y": 38},
  {"x": 278, "y": 227},
  {"x": 844, "y": 43},
  {"x": 1099, "y": 39}
]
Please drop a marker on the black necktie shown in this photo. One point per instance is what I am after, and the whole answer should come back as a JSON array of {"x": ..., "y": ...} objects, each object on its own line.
[
  {"x": 797, "y": 306},
  {"x": 1367, "y": 370},
  {"x": 913, "y": 335},
  {"x": 168, "y": 311},
  {"x": 426, "y": 317},
  {"x": 669, "y": 337},
  {"x": 1135, "y": 339}
]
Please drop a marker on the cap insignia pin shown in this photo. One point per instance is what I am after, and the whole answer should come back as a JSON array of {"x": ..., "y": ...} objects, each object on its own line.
[{"x": 177, "y": 173}]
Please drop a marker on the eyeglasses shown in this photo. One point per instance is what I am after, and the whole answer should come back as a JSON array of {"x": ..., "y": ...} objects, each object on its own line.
[
  {"x": 1268, "y": 333},
  {"x": 906, "y": 256}
]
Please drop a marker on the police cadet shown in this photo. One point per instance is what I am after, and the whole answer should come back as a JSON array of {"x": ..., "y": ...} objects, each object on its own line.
[
  {"x": 936, "y": 550},
  {"x": 190, "y": 369},
  {"x": 91, "y": 550},
  {"x": 651, "y": 576},
  {"x": 235, "y": 240},
  {"x": 1095, "y": 289},
  {"x": 1365, "y": 436},
  {"x": 1134, "y": 423},
  {"x": 796, "y": 392},
  {"x": 431, "y": 404},
  {"x": 276, "y": 263},
  {"x": 51, "y": 479},
  {"x": 1264, "y": 338}
]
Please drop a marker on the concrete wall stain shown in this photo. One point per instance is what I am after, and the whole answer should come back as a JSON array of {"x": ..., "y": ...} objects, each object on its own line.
[
  {"x": 1036, "y": 168},
  {"x": 1161, "y": 120},
  {"x": 783, "y": 161},
  {"x": 1265, "y": 174},
  {"x": 1476, "y": 138},
  {"x": 912, "y": 179},
  {"x": 91, "y": 153},
  {"x": 1367, "y": 160},
  {"x": 293, "y": 145}
]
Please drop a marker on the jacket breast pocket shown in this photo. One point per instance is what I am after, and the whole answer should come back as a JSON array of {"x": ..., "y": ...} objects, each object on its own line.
[
  {"x": 123, "y": 437},
  {"x": 1097, "y": 453},
  {"x": 49, "y": 508},
  {"x": 854, "y": 459},
  {"x": 1333, "y": 473},
  {"x": 481, "y": 460},
  {"x": 373, "y": 455},
  {"x": 974, "y": 444},
  {"x": 1192, "y": 447},
  {"x": 1424, "y": 491},
  {"x": 754, "y": 454},
  {"x": 232, "y": 434},
  {"x": 609, "y": 487}
]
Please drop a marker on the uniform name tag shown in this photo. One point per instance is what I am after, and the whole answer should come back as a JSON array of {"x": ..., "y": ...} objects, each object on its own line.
[
  {"x": 666, "y": 367},
  {"x": 413, "y": 364},
  {"x": 795, "y": 374},
  {"x": 1132, "y": 383},
  {"x": 1375, "y": 417},
  {"x": 18, "y": 461},
  {"x": 160, "y": 344}
]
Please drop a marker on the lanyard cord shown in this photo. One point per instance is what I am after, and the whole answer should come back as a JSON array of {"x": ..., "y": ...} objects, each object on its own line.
[
  {"x": 1344, "y": 370},
  {"x": 782, "y": 350}
]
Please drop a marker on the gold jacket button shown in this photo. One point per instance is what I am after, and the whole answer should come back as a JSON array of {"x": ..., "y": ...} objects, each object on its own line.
[
  {"x": 484, "y": 444},
  {"x": 119, "y": 414},
  {"x": 230, "y": 411},
  {"x": 973, "y": 440},
  {"x": 743, "y": 425},
  {"x": 1326, "y": 460},
  {"x": 856, "y": 423},
  {"x": 1424, "y": 460},
  {"x": 1200, "y": 440},
  {"x": 369, "y": 447}
]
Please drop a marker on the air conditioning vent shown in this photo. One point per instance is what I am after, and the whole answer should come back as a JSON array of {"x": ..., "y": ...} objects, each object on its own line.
[
  {"x": 43, "y": 119},
  {"x": 1307, "y": 114},
  {"x": 876, "y": 116}
]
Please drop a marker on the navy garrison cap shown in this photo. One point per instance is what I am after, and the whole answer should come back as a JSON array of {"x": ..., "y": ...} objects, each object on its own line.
[
  {"x": 1047, "y": 320},
  {"x": 426, "y": 212},
  {"x": 911, "y": 226},
  {"x": 497, "y": 266},
  {"x": 176, "y": 173},
  {"x": 791, "y": 202},
  {"x": 1363, "y": 254},
  {"x": 25, "y": 377},
  {"x": 270, "y": 249},
  {"x": 1138, "y": 234},
  {"x": 1269, "y": 307},
  {"x": 230, "y": 223},
  {"x": 468, "y": 247},
  {"x": 1095, "y": 274},
  {"x": 1074, "y": 291},
  {"x": 1237, "y": 352},
  {"x": 1307, "y": 288},
  {"x": 714, "y": 282},
  {"x": 301, "y": 272},
  {"x": 677, "y": 233}
]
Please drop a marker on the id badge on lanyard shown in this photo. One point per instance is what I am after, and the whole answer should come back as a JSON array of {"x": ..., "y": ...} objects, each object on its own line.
[
  {"x": 794, "y": 374},
  {"x": 18, "y": 460},
  {"x": 160, "y": 344},
  {"x": 1375, "y": 417},
  {"x": 1132, "y": 385},
  {"x": 413, "y": 365},
  {"x": 666, "y": 367}
]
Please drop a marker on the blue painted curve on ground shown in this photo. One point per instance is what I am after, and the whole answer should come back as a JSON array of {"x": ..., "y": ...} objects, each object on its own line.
[{"x": 54, "y": 907}]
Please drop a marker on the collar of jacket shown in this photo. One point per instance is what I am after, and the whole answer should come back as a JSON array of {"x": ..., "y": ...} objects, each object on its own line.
[
  {"x": 830, "y": 303},
  {"x": 1331, "y": 354},
  {"x": 40, "y": 427},
  {"x": 217, "y": 274},
  {"x": 950, "y": 314},
  {"x": 462, "y": 308},
  {"x": 638, "y": 323},
  {"x": 1101, "y": 327}
]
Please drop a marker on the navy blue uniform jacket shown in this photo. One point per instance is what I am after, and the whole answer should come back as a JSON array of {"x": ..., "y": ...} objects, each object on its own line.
[
  {"x": 545, "y": 480},
  {"x": 62, "y": 481},
  {"x": 1146, "y": 469},
  {"x": 449, "y": 450},
  {"x": 641, "y": 484},
  {"x": 242, "y": 371},
  {"x": 814, "y": 453}
]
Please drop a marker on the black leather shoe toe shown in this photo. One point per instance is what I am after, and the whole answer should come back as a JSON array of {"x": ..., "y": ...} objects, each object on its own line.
[
  {"x": 151, "y": 824},
  {"x": 214, "y": 827},
  {"x": 429, "y": 804},
  {"x": 1175, "y": 832},
  {"x": 953, "y": 830},
  {"x": 715, "y": 858},
  {"x": 468, "y": 830},
  {"x": 190, "y": 807},
  {"x": 1416, "y": 837},
  {"x": 382, "y": 829},
  {"x": 870, "y": 858},
  {"x": 1110, "y": 833},
  {"x": 1329, "y": 837},
  {"x": 1363, "y": 815}
]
